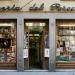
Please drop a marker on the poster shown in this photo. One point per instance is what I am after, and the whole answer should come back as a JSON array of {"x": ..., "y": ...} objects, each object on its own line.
[
  {"x": 25, "y": 53},
  {"x": 58, "y": 52},
  {"x": 46, "y": 52}
]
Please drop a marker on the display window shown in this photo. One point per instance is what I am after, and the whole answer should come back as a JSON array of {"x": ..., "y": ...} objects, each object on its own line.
[
  {"x": 65, "y": 42},
  {"x": 7, "y": 44}
]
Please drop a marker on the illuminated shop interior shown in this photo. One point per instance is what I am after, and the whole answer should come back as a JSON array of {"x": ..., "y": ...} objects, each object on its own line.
[
  {"x": 7, "y": 44},
  {"x": 65, "y": 42}
]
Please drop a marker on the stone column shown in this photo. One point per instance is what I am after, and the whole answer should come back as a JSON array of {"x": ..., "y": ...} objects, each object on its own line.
[
  {"x": 52, "y": 45},
  {"x": 20, "y": 38}
]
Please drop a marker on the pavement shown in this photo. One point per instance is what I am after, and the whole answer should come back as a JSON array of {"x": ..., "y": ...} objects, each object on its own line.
[{"x": 36, "y": 73}]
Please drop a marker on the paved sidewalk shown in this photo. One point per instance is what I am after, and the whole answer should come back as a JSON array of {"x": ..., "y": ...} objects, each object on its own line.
[{"x": 37, "y": 73}]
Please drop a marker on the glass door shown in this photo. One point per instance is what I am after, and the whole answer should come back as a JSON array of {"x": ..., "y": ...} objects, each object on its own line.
[
  {"x": 36, "y": 32},
  {"x": 65, "y": 52}
]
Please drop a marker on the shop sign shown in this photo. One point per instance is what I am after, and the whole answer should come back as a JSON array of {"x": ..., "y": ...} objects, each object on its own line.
[
  {"x": 59, "y": 7},
  {"x": 34, "y": 7},
  {"x": 9, "y": 8},
  {"x": 53, "y": 7}
]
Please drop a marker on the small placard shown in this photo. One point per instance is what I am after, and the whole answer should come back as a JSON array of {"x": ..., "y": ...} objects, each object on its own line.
[
  {"x": 46, "y": 52},
  {"x": 25, "y": 53}
]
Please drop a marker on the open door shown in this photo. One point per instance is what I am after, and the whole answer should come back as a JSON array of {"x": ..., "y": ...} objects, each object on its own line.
[
  {"x": 36, "y": 33},
  {"x": 35, "y": 49}
]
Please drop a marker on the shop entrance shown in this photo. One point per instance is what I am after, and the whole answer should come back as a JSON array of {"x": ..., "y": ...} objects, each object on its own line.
[{"x": 35, "y": 41}]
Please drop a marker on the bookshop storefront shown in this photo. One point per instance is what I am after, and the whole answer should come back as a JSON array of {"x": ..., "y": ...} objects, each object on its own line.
[{"x": 37, "y": 41}]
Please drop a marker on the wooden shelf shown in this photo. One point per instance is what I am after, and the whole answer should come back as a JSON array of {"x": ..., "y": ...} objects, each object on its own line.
[
  {"x": 65, "y": 65},
  {"x": 66, "y": 35}
]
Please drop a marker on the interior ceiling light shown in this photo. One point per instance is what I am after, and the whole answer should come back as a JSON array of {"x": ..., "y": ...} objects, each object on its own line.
[
  {"x": 67, "y": 25},
  {"x": 42, "y": 24},
  {"x": 6, "y": 24},
  {"x": 36, "y": 24},
  {"x": 29, "y": 24}
]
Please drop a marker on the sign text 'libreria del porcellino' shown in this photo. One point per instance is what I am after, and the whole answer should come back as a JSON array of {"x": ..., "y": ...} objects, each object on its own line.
[
  {"x": 59, "y": 7},
  {"x": 10, "y": 8},
  {"x": 54, "y": 7}
]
